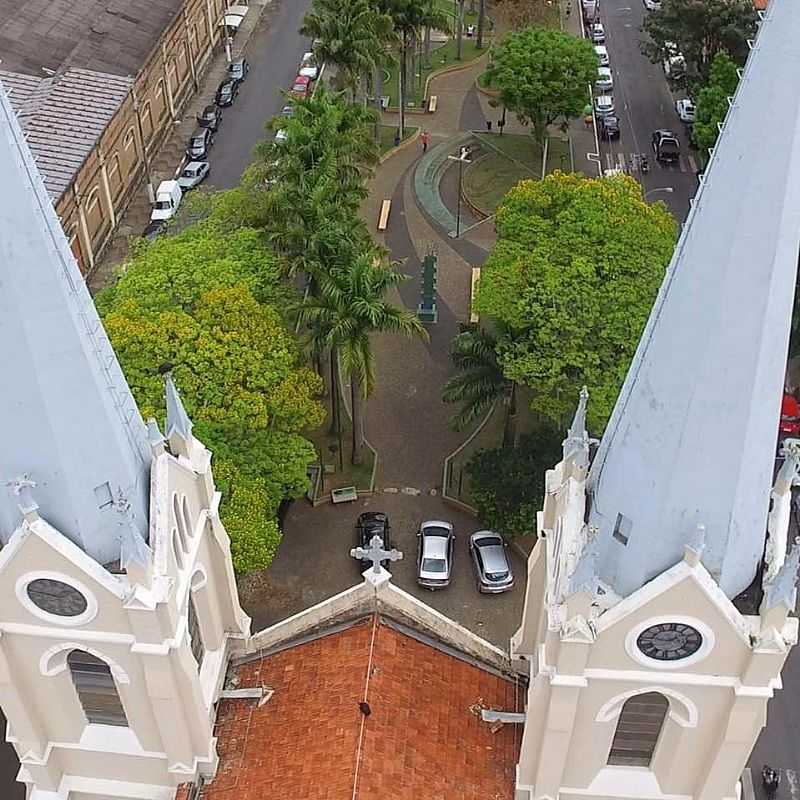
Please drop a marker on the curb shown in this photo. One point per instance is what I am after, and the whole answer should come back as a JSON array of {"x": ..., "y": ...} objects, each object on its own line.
[
  {"x": 476, "y": 212},
  {"x": 492, "y": 93},
  {"x": 402, "y": 146}
]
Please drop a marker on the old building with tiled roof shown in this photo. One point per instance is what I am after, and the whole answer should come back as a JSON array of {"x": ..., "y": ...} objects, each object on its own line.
[{"x": 97, "y": 85}]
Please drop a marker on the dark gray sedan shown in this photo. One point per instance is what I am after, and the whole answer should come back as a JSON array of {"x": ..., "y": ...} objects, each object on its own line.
[{"x": 492, "y": 570}]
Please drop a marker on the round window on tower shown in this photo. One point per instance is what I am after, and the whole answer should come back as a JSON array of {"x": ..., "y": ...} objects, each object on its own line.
[{"x": 56, "y": 599}]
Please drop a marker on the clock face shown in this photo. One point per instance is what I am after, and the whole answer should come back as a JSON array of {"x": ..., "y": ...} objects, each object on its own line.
[
  {"x": 56, "y": 597},
  {"x": 669, "y": 641}
]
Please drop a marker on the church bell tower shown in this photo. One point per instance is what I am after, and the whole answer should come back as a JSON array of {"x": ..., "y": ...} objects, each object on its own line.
[
  {"x": 658, "y": 613},
  {"x": 118, "y": 602}
]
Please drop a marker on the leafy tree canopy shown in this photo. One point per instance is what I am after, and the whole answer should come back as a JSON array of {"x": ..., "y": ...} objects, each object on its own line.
[
  {"x": 700, "y": 29},
  {"x": 174, "y": 271},
  {"x": 189, "y": 300},
  {"x": 507, "y": 483},
  {"x": 712, "y": 100},
  {"x": 573, "y": 275},
  {"x": 543, "y": 76}
]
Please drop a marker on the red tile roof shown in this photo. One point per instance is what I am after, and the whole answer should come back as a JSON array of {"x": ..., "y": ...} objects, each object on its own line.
[{"x": 421, "y": 739}]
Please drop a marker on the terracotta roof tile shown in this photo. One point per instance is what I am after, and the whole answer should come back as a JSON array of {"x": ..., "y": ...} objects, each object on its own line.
[{"x": 420, "y": 739}]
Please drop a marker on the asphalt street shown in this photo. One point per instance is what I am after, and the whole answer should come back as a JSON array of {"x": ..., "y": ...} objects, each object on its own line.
[
  {"x": 274, "y": 52},
  {"x": 644, "y": 104}
]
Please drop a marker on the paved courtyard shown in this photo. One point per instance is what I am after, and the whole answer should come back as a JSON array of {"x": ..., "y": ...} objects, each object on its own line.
[{"x": 314, "y": 563}]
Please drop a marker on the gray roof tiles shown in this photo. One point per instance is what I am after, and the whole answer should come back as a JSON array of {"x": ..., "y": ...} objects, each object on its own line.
[
  {"x": 113, "y": 36},
  {"x": 63, "y": 117}
]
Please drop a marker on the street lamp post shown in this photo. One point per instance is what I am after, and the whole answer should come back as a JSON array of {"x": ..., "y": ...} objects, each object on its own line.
[
  {"x": 462, "y": 159},
  {"x": 666, "y": 189}
]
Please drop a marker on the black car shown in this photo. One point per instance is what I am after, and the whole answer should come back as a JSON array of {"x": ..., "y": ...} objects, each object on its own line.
[
  {"x": 210, "y": 117},
  {"x": 154, "y": 229},
  {"x": 666, "y": 146},
  {"x": 199, "y": 144},
  {"x": 369, "y": 524},
  {"x": 226, "y": 92},
  {"x": 609, "y": 127},
  {"x": 238, "y": 69}
]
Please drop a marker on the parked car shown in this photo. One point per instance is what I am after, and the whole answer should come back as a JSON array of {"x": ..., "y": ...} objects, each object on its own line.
[
  {"x": 685, "y": 109},
  {"x": 238, "y": 69},
  {"x": 602, "y": 54},
  {"x": 226, "y": 92},
  {"x": 652, "y": 5},
  {"x": 199, "y": 144},
  {"x": 608, "y": 127},
  {"x": 369, "y": 524},
  {"x": 301, "y": 86},
  {"x": 193, "y": 174},
  {"x": 604, "y": 105},
  {"x": 666, "y": 146},
  {"x": 492, "y": 570},
  {"x": 435, "y": 540},
  {"x": 168, "y": 198},
  {"x": 790, "y": 417},
  {"x": 308, "y": 66},
  {"x": 605, "y": 80},
  {"x": 154, "y": 229},
  {"x": 597, "y": 33},
  {"x": 210, "y": 117}
]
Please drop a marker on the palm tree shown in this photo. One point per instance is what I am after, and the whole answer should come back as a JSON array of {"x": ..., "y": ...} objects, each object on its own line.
[
  {"x": 316, "y": 180},
  {"x": 481, "y": 23},
  {"x": 480, "y": 382},
  {"x": 350, "y": 35},
  {"x": 349, "y": 306},
  {"x": 409, "y": 17}
]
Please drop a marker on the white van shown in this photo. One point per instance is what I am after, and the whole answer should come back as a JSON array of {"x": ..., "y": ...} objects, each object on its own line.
[{"x": 168, "y": 198}]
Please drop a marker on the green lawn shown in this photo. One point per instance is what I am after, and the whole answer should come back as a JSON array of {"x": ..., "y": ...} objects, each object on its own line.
[
  {"x": 387, "y": 133},
  {"x": 492, "y": 176},
  {"x": 442, "y": 56}
]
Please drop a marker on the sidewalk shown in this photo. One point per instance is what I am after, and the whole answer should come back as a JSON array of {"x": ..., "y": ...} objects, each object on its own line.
[{"x": 165, "y": 162}]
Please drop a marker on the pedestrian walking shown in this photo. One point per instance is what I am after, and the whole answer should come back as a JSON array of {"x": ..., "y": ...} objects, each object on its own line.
[{"x": 425, "y": 139}]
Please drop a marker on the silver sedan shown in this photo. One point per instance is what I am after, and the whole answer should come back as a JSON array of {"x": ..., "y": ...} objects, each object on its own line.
[
  {"x": 435, "y": 554},
  {"x": 492, "y": 570}
]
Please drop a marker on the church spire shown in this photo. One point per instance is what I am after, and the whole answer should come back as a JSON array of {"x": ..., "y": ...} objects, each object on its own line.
[
  {"x": 68, "y": 421},
  {"x": 692, "y": 436}
]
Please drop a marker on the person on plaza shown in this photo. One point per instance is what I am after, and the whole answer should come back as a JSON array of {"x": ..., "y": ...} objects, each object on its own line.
[{"x": 425, "y": 138}]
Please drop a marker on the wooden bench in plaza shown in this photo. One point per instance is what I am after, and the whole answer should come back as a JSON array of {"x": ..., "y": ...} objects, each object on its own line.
[
  {"x": 433, "y": 101},
  {"x": 383, "y": 219}
]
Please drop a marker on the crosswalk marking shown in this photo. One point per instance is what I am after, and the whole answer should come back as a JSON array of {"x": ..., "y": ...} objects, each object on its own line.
[{"x": 631, "y": 162}]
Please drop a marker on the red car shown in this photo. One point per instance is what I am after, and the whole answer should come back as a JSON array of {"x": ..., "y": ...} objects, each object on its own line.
[
  {"x": 301, "y": 86},
  {"x": 790, "y": 417}
]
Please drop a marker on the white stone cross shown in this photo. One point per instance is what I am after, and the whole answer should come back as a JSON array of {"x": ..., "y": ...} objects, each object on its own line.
[{"x": 375, "y": 553}]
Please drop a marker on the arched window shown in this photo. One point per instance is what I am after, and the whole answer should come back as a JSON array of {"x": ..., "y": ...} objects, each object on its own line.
[
  {"x": 187, "y": 518},
  {"x": 195, "y": 636},
  {"x": 97, "y": 691},
  {"x": 177, "y": 548},
  {"x": 177, "y": 512},
  {"x": 638, "y": 728}
]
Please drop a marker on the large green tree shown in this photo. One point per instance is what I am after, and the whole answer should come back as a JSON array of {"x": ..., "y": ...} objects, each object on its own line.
[
  {"x": 507, "y": 483},
  {"x": 700, "y": 29},
  {"x": 311, "y": 185},
  {"x": 351, "y": 36},
  {"x": 409, "y": 19},
  {"x": 480, "y": 381},
  {"x": 572, "y": 277},
  {"x": 348, "y": 307},
  {"x": 712, "y": 100},
  {"x": 543, "y": 76}
]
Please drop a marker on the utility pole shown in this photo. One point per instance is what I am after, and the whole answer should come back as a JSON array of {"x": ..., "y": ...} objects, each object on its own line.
[{"x": 462, "y": 158}]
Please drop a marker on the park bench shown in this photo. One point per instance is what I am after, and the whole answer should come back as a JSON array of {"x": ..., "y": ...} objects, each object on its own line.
[
  {"x": 473, "y": 315},
  {"x": 383, "y": 219},
  {"x": 384, "y": 101},
  {"x": 344, "y": 495},
  {"x": 433, "y": 101}
]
